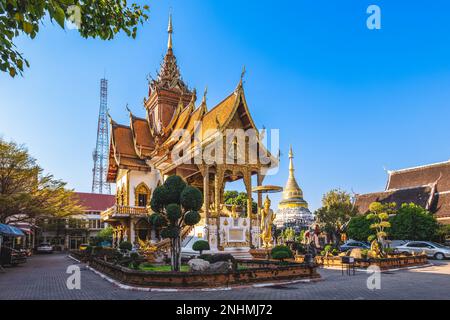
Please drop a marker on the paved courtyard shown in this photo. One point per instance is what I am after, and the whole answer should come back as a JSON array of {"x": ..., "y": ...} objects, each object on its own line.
[{"x": 44, "y": 277}]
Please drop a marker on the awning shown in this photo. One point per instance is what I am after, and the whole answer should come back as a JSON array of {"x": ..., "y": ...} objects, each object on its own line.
[{"x": 10, "y": 231}]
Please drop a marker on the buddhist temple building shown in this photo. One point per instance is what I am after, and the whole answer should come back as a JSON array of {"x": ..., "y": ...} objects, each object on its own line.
[
  {"x": 427, "y": 186},
  {"x": 179, "y": 136},
  {"x": 293, "y": 209}
]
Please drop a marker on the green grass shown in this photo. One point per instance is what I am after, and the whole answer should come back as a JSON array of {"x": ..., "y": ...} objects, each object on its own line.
[{"x": 162, "y": 268}]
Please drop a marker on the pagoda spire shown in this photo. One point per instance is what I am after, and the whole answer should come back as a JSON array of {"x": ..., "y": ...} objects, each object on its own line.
[
  {"x": 170, "y": 31},
  {"x": 291, "y": 163},
  {"x": 292, "y": 193},
  {"x": 169, "y": 76}
]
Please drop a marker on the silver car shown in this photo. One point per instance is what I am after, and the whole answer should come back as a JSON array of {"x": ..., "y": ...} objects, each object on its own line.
[
  {"x": 44, "y": 248},
  {"x": 432, "y": 249}
]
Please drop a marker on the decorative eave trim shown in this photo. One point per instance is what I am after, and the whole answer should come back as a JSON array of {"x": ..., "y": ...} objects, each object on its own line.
[{"x": 419, "y": 167}]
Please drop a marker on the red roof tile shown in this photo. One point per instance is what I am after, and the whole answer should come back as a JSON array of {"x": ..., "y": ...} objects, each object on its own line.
[{"x": 94, "y": 201}]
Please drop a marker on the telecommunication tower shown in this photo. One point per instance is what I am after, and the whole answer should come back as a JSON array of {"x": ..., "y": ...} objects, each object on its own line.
[{"x": 100, "y": 154}]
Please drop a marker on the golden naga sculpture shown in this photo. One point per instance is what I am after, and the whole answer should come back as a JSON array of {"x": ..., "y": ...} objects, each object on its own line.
[
  {"x": 147, "y": 249},
  {"x": 375, "y": 251},
  {"x": 267, "y": 218}
]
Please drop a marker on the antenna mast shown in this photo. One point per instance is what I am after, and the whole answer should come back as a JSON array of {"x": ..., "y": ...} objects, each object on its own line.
[{"x": 100, "y": 154}]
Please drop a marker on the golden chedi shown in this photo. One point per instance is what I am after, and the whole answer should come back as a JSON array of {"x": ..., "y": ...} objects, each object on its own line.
[{"x": 293, "y": 209}]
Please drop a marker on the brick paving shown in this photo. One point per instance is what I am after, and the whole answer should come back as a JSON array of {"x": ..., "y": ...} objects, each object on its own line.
[{"x": 44, "y": 277}]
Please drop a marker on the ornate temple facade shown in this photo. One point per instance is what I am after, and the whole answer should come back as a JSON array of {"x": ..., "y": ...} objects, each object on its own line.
[
  {"x": 293, "y": 209},
  {"x": 427, "y": 186},
  {"x": 179, "y": 136}
]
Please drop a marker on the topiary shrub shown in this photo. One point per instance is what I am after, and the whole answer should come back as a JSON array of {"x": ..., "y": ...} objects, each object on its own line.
[
  {"x": 281, "y": 253},
  {"x": 298, "y": 247},
  {"x": 176, "y": 205},
  {"x": 200, "y": 245},
  {"x": 125, "y": 246}
]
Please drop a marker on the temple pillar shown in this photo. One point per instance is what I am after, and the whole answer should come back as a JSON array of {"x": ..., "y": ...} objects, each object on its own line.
[
  {"x": 206, "y": 197},
  {"x": 248, "y": 187},
  {"x": 132, "y": 232},
  {"x": 218, "y": 185},
  {"x": 260, "y": 178}
]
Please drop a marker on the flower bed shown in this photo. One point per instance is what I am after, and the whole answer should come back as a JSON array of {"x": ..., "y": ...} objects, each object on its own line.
[
  {"x": 382, "y": 263},
  {"x": 250, "y": 272}
]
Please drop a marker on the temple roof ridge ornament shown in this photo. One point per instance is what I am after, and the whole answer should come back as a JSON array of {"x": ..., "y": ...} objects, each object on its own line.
[{"x": 241, "y": 80}]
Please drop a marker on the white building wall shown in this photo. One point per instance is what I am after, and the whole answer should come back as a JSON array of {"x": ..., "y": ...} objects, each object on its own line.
[{"x": 137, "y": 177}]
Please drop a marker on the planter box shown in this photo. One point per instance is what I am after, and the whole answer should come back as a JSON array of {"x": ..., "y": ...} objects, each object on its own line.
[
  {"x": 263, "y": 254},
  {"x": 258, "y": 271},
  {"x": 382, "y": 263}
]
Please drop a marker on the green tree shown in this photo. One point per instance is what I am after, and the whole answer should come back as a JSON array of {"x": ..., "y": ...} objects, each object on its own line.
[
  {"x": 93, "y": 18},
  {"x": 200, "y": 246},
  {"x": 443, "y": 233},
  {"x": 359, "y": 228},
  {"x": 106, "y": 234},
  {"x": 379, "y": 214},
  {"x": 288, "y": 234},
  {"x": 176, "y": 205},
  {"x": 26, "y": 193},
  {"x": 412, "y": 222},
  {"x": 239, "y": 199},
  {"x": 336, "y": 211}
]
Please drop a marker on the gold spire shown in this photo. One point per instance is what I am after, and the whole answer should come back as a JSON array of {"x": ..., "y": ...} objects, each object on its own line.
[
  {"x": 291, "y": 162},
  {"x": 169, "y": 31},
  {"x": 292, "y": 193}
]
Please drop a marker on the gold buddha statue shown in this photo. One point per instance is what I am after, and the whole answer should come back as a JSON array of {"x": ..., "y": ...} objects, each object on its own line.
[{"x": 267, "y": 218}]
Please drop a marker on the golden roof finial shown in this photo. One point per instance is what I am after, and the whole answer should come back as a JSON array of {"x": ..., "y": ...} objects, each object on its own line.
[
  {"x": 291, "y": 162},
  {"x": 241, "y": 80},
  {"x": 170, "y": 31},
  {"x": 204, "y": 95}
]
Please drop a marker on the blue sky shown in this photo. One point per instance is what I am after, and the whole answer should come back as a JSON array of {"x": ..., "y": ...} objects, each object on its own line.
[{"x": 351, "y": 101}]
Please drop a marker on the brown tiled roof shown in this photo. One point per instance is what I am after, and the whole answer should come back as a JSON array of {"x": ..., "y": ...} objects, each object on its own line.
[
  {"x": 123, "y": 140},
  {"x": 125, "y": 152},
  {"x": 194, "y": 117},
  {"x": 442, "y": 206},
  {"x": 95, "y": 202},
  {"x": 219, "y": 115},
  {"x": 143, "y": 137},
  {"x": 184, "y": 117},
  {"x": 421, "y": 176},
  {"x": 418, "y": 195}
]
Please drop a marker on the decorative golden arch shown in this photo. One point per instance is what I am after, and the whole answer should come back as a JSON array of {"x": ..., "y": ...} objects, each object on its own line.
[{"x": 141, "y": 188}]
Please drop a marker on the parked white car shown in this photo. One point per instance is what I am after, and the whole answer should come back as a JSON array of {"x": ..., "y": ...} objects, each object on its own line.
[
  {"x": 432, "y": 249},
  {"x": 186, "y": 247},
  {"x": 44, "y": 248}
]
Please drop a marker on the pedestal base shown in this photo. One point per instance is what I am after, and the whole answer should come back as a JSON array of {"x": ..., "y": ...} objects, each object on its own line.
[{"x": 263, "y": 254}]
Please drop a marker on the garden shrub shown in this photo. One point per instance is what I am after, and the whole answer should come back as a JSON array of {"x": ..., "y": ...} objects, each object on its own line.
[
  {"x": 126, "y": 246},
  {"x": 200, "y": 245},
  {"x": 281, "y": 253}
]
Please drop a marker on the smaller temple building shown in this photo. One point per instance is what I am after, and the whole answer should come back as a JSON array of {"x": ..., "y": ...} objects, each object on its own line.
[
  {"x": 427, "y": 186},
  {"x": 293, "y": 209}
]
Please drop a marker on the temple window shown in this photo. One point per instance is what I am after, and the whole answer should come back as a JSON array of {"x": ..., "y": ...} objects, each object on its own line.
[{"x": 142, "y": 195}]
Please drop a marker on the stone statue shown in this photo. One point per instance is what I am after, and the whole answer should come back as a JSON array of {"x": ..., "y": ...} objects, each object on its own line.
[{"x": 267, "y": 218}]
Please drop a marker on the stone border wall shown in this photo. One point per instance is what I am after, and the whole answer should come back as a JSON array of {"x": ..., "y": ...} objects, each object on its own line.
[
  {"x": 383, "y": 264},
  {"x": 258, "y": 272}
]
